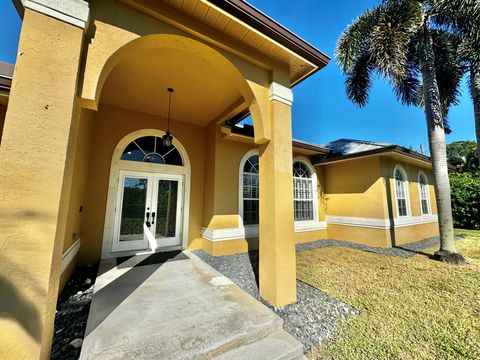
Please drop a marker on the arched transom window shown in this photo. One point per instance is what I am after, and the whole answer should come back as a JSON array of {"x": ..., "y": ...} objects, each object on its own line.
[
  {"x": 401, "y": 192},
  {"x": 303, "y": 192},
  {"x": 150, "y": 149},
  {"x": 424, "y": 195},
  {"x": 250, "y": 191}
]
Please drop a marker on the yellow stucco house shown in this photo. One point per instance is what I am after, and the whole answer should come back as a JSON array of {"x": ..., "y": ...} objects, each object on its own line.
[{"x": 89, "y": 170}]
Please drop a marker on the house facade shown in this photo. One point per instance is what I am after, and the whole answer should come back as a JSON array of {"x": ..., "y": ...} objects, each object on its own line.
[{"x": 87, "y": 170}]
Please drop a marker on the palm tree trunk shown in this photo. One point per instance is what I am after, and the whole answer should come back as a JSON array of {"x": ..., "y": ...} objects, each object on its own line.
[
  {"x": 436, "y": 139},
  {"x": 475, "y": 92}
]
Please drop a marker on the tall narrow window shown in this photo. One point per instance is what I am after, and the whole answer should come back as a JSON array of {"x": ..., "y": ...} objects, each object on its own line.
[
  {"x": 250, "y": 191},
  {"x": 424, "y": 198},
  {"x": 303, "y": 194},
  {"x": 401, "y": 193}
]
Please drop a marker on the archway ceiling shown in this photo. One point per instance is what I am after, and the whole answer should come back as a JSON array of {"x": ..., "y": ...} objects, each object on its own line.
[{"x": 140, "y": 83}]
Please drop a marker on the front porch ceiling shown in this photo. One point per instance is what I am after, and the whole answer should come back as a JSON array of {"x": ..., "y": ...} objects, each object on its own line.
[{"x": 139, "y": 83}]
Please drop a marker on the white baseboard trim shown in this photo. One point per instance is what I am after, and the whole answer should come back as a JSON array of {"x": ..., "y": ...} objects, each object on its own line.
[
  {"x": 249, "y": 231},
  {"x": 378, "y": 223},
  {"x": 223, "y": 234},
  {"x": 70, "y": 254},
  {"x": 302, "y": 226}
]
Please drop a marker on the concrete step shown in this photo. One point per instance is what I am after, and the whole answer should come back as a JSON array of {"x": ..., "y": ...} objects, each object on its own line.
[
  {"x": 277, "y": 346},
  {"x": 177, "y": 310}
]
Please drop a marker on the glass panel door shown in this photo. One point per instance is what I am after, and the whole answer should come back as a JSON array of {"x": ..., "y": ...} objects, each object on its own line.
[
  {"x": 167, "y": 199},
  {"x": 134, "y": 198},
  {"x": 134, "y": 203}
]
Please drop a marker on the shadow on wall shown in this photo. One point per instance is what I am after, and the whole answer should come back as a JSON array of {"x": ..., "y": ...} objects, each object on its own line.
[{"x": 15, "y": 306}]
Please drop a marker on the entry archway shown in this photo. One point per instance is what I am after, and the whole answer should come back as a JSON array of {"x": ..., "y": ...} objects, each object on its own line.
[{"x": 96, "y": 76}]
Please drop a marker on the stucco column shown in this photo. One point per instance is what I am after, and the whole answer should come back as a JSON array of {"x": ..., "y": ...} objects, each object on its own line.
[
  {"x": 36, "y": 161},
  {"x": 277, "y": 247}
]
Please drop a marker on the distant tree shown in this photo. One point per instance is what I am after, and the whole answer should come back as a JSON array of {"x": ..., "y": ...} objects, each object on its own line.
[
  {"x": 412, "y": 44},
  {"x": 463, "y": 154}
]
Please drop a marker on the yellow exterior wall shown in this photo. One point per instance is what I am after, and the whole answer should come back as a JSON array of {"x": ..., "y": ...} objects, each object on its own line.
[
  {"x": 360, "y": 235},
  {"x": 109, "y": 126},
  {"x": 409, "y": 234},
  {"x": 80, "y": 176},
  {"x": 354, "y": 188},
  {"x": 36, "y": 166}
]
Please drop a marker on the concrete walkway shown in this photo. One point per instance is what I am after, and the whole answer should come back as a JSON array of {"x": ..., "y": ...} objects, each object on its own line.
[{"x": 174, "y": 306}]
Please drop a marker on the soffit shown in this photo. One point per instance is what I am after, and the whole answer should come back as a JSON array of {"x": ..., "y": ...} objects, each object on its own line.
[
  {"x": 139, "y": 83},
  {"x": 215, "y": 17}
]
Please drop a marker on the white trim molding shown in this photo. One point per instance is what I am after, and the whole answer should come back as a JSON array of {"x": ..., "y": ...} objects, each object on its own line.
[
  {"x": 250, "y": 231},
  {"x": 70, "y": 254},
  {"x": 378, "y": 223},
  {"x": 280, "y": 93},
  {"x": 302, "y": 226},
  {"x": 74, "y": 12},
  {"x": 415, "y": 220},
  {"x": 223, "y": 234}
]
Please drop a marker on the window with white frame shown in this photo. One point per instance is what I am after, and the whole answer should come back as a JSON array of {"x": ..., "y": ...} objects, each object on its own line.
[
  {"x": 401, "y": 192},
  {"x": 250, "y": 191},
  {"x": 424, "y": 196},
  {"x": 303, "y": 192}
]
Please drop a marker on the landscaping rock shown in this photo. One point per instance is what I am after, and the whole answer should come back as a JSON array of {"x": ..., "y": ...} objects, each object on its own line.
[
  {"x": 405, "y": 251},
  {"x": 311, "y": 320},
  {"x": 72, "y": 312}
]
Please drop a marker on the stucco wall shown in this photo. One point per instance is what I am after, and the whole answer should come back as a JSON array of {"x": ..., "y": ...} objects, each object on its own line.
[
  {"x": 409, "y": 234},
  {"x": 109, "y": 126},
  {"x": 354, "y": 188}
]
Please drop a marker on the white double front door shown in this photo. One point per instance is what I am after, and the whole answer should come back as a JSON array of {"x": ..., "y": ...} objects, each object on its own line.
[{"x": 148, "y": 212}]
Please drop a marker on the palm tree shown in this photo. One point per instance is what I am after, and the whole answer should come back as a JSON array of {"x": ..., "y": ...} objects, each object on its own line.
[
  {"x": 462, "y": 17},
  {"x": 402, "y": 41}
]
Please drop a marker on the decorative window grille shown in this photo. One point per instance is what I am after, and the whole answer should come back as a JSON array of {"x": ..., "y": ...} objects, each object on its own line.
[
  {"x": 424, "y": 195},
  {"x": 303, "y": 194},
  {"x": 150, "y": 149},
  {"x": 401, "y": 193},
  {"x": 250, "y": 191}
]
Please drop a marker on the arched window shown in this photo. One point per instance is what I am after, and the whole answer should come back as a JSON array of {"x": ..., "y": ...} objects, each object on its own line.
[
  {"x": 150, "y": 149},
  {"x": 401, "y": 191},
  {"x": 303, "y": 192},
  {"x": 250, "y": 191},
  {"x": 424, "y": 194}
]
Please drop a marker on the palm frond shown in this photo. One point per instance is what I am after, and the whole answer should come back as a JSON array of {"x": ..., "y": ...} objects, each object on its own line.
[
  {"x": 407, "y": 88},
  {"x": 355, "y": 39},
  {"x": 448, "y": 68},
  {"x": 359, "y": 81},
  {"x": 396, "y": 27}
]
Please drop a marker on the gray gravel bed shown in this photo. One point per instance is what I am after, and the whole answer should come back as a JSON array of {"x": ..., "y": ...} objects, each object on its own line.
[
  {"x": 405, "y": 251},
  {"x": 311, "y": 319},
  {"x": 72, "y": 312}
]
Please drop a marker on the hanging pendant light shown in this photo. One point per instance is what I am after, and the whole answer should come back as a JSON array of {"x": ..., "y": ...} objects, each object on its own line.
[{"x": 168, "y": 138}]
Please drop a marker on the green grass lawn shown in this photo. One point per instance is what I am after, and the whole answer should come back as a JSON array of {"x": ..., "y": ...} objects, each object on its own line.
[{"x": 412, "y": 308}]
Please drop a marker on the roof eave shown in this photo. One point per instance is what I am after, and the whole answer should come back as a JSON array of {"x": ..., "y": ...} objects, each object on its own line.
[{"x": 269, "y": 27}]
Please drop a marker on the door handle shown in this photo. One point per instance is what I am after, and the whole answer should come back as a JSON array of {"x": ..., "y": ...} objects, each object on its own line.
[
  {"x": 147, "y": 221},
  {"x": 153, "y": 218}
]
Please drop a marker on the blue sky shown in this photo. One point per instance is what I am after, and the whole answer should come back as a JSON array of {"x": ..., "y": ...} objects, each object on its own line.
[{"x": 321, "y": 111}]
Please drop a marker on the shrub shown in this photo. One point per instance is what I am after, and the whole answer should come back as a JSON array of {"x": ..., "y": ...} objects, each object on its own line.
[{"x": 465, "y": 189}]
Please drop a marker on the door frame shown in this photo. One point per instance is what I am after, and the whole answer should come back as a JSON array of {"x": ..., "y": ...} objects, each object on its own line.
[
  {"x": 117, "y": 164},
  {"x": 151, "y": 200}
]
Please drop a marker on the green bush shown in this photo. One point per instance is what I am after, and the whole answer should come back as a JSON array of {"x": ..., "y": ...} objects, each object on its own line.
[{"x": 465, "y": 189}]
